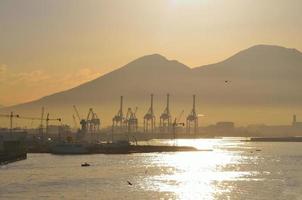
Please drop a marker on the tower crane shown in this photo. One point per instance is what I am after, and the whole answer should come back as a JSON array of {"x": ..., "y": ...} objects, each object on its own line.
[
  {"x": 47, "y": 119},
  {"x": 10, "y": 116}
]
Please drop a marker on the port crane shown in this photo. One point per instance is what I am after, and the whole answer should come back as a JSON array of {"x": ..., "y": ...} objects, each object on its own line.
[
  {"x": 93, "y": 121},
  {"x": 82, "y": 121},
  {"x": 118, "y": 119},
  {"x": 177, "y": 123},
  {"x": 131, "y": 120},
  {"x": 192, "y": 119},
  {"x": 149, "y": 118},
  {"x": 165, "y": 118}
]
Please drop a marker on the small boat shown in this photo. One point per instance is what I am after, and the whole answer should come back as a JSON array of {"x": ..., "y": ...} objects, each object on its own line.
[{"x": 85, "y": 164}]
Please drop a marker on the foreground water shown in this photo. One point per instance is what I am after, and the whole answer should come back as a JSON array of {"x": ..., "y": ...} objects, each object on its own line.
[{"x": 233, "y": 170}]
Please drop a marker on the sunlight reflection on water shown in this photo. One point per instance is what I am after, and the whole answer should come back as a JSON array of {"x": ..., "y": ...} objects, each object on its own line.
[
  {"x": 194, "y": 174},
  {"x": 231, "y": 170}
]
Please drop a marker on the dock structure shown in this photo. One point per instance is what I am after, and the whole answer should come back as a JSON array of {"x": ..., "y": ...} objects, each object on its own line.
[
  {"x": 192, "y": 120},
  {"x": 118, "y": 119},
  {"x": 12, "y": 146},
  {"x": 165, "y": 118},
  {"x": 149, "y": 119}
]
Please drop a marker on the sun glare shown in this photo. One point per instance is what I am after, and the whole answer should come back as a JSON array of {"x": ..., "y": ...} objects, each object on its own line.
[{"x": 186, "y": 2}]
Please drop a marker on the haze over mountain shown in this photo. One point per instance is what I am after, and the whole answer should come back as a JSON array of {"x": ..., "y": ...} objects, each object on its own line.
[{"x": 259, "y": 79}]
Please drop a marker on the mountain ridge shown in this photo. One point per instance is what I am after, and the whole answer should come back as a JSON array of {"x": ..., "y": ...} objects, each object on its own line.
[
  {"x": 257, "y": 76},
  {"x": 158, "y": 60}
]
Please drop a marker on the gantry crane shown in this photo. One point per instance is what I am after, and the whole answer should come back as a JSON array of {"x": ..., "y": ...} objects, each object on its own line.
[
  {"x": 118, "y": 119},
  {"x": 165, "y": 118},
  {"x": 192, "y": 119},
  {"x": 149, "y": 118},
  {"x": 93, "y": 122},
  {"x": 131, "y": 120}
]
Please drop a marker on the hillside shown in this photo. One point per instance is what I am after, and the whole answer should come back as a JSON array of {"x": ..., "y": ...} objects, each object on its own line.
[{"x": 260, "y": 76}]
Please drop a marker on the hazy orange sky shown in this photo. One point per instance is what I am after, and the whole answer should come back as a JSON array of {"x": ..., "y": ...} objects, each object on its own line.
[{"x": 51, "y": 45}]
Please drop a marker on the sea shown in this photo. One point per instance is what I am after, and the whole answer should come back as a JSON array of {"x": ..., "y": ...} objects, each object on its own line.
[{"x": 224, "y": 168}]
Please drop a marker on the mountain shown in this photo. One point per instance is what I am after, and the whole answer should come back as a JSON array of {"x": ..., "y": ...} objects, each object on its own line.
[
  {"x": 261, "y": 74},
  {"x": 258, "y": 77},
  {"x": 152, "y": 73}
]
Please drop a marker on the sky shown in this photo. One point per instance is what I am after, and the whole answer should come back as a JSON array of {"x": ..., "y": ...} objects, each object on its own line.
[{"x": 48, "y": 46}]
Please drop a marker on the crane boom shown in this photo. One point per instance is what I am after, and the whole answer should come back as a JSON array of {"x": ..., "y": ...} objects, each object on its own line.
[
  {"x": 37, "y": 118},
  {"x": 74, "y": 121},
  {"x": 77, "y": 112},
  {"x": 10, "y": 116}
]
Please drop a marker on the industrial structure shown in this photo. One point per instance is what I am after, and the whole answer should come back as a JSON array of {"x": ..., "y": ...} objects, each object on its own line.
[
  {"x": 41, "y": 123},
  {"x": 93, "y": 122},
  {"x": 165, "y": 118},
  {"x": 47, "y": 124},
  {"x": 42, "y": 119},
  {"x": 118, "y": 119},
  {"x": 177, "y": 123},
  {"x": 90, "y": 125},
  {"x": 11, "y": 116},
  {"x": 131, "y": 121},
  {"x": 192, "y": 120},
  {"x": 82, "y": 121},
  {"x": 123, "y": 122},
  {"x": 127, "y": 123},
  {"x": 149, "y": 119},
  {"x": 75, "y": 124}
]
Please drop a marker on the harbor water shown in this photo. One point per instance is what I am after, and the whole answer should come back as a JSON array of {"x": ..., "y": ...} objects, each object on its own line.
[{"x": 233, "y": 169}]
